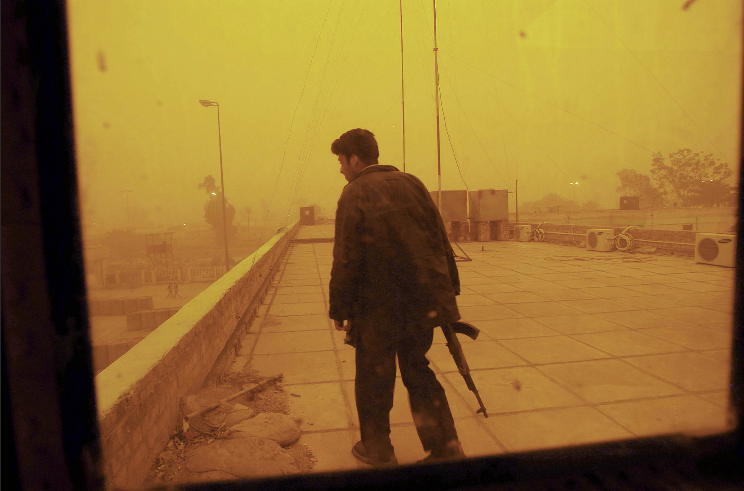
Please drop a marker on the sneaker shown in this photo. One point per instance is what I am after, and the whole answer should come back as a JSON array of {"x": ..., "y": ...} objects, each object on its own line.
[
  {"x": 451, "y": 451},
  {"x": 360, "y": 453}
]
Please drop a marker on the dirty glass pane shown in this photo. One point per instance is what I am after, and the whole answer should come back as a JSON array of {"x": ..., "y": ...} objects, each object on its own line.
[{"x": 586, "y": 155}]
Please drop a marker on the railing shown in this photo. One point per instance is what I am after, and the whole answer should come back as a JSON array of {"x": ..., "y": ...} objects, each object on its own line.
[
  {"x": 680, "y": 242},
  {"x": 138, "y": 394},
  {"x": 716, "y": 220}
]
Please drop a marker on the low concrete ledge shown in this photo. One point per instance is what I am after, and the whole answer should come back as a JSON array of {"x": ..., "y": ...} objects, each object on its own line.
[
  {"x": 118, "y": 306},
  {"x": 107, "y": 353},
  {"x": 138, "y": 394},
  {"x": 679, "y": 242},
  {"x": 149, "y": 319},
  {"x": 318, "y": 240}
]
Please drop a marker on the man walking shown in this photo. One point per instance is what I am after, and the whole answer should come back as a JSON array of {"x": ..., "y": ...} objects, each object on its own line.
[{"x": 393, "y": 280}]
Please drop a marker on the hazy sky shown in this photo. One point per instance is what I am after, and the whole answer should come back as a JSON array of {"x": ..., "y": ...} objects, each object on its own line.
[{"x": 544, "y": 91}]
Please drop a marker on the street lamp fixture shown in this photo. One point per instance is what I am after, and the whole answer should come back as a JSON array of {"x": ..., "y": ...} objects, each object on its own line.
[
  {"x": 574, "y": 184},
  {"x": 207, "y": 103},
  {"x": 126, "y": 193}
]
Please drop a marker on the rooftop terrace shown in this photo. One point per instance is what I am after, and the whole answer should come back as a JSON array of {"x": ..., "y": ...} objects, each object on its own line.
[{"x": 575, "y": 347}]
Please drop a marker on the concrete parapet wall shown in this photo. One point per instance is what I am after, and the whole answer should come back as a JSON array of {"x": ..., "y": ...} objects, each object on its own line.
[
  {"x": 711, "y": 220},
  {"x": 138, "y": 394},
  {"x": 149, "y": 319},
  {"x": 680, "y": 242},
  {"x": 105, "y": 354}
]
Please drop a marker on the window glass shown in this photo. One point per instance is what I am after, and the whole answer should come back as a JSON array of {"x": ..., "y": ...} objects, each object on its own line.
[{"x": 587, "y": 153}]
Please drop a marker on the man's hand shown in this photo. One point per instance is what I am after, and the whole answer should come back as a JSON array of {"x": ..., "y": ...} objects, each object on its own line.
[{"x": 341, "y": 325}]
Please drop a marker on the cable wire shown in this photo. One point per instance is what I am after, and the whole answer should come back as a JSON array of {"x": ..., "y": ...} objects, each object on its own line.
[
  {"x": 291, "y": 125},
  {"x": 398, "y": 98},
  {"x": 550, "y": 103},
  {"x": 523, "y": 129},
  {"x": 337, "y": 71},
  {"x": 339, "y": 97},
  {"x": 294, "y": 188},
  {"x": 657, "y": 81},
  {"x": 457, "y": 99},
  {"x": 446, "y": 130}
]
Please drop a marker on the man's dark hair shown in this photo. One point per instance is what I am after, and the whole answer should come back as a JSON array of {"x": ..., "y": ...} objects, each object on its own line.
[{"x": 357, "y": 142}]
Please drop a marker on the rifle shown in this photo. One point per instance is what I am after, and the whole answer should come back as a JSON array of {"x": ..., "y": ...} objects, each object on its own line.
[{"x": 455, "y": 350}]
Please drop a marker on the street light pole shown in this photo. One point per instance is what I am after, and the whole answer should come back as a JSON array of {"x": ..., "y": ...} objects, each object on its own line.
[
  {"x": 573, "y": 185},
  {"x": 222, "y": 180},
  {"x": 126, "y": 194}
]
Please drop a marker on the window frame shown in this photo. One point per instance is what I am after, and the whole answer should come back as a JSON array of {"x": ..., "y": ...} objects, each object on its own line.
[{"x": 51, "y": 417}]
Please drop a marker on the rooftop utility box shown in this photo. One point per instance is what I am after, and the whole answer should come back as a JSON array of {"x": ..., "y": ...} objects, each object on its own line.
[
  {"x": 489, "y": 205},
  {"x": 522, "y": 233},
  {"x": 307, "y": 215},
  {"x": 454, "y": 205},
  {"x": 629, "y": 202}
]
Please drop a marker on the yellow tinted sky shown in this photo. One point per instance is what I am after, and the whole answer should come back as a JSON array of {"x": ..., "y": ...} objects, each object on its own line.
[{"x": 544, "y": 91}]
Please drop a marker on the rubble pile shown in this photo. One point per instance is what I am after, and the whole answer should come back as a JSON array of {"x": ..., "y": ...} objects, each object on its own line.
[{"x": 235, "y": 430}]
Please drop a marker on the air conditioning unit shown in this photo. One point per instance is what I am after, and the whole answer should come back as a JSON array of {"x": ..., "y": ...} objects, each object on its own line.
[
  {"x": 718, "y": 249},
  {"x": 522, "y": 233},
  {"x": 600, "y": 239}
]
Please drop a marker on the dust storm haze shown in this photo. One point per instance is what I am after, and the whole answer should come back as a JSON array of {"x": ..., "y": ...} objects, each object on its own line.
[{"x": 546, "y": 92}]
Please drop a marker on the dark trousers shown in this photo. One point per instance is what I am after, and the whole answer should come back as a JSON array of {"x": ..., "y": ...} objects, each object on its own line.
[{"x": 375, "y": 382}]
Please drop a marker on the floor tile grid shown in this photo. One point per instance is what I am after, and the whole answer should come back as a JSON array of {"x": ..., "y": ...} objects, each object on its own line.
[
  {"x": 478, "y": 418},
  {"x": 347, "y": 432},
  {"x": 265, "y": 307},
  {"x": 717, "y": 306},
  {"x": 536, "y": 366},
  {"x": 347, "y": 402},
  {"x": 624, "y": 359},
  {"x": 586, "y": 403},
  {"x": 344, "y": 436},
  {"x": 643, "y": 281},
  {"x": 539, "y": 258},
  {"x": 469, "y": 400},
  {"x": 460, "y": 395},
  {"x": 598, "y": 406}
]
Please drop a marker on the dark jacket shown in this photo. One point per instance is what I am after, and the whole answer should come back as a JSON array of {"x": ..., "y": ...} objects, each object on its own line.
[{"x": 394, "y": 272}]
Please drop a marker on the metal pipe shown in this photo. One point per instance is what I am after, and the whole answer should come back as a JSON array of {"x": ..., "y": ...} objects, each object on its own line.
[
  {"x": 222, "y": 180},
  {"x": 634, "y": 238},
  {"x": 664, "y": 242},
  {"x": 436, "y": 97},
  {"x": 247, "y": 390},
  {"x": 402, "y": 86}
]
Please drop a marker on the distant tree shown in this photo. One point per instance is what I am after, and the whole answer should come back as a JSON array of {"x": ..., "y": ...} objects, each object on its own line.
[
  {"x": 247, "y": 211},
  {"x": 682, "y": 171},
  {"x": 712, "y": 193},
  {"x": 590, "y": 205},
  {"x": 208, "y": 185},
  {"x": 213, "y": 211},
  {"x": 634, "y": 184}
]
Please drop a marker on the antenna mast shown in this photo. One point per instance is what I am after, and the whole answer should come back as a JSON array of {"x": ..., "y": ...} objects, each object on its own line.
[
  {"x": 436, "y": 96},
  {"x": 402, "y": 86}
]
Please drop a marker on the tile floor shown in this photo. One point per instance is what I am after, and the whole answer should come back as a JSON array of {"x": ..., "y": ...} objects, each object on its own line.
[{"x": 575, "y": 347}]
